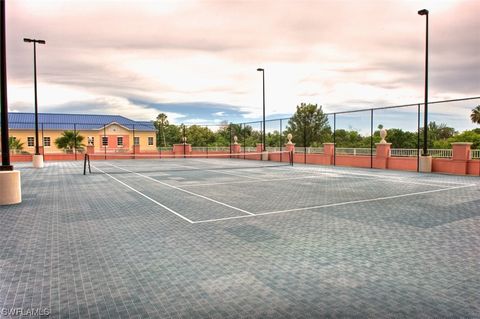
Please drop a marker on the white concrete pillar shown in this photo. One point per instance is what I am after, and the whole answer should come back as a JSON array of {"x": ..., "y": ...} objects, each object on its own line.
[
  {"x": 38, "y": 161},
  {"x": 10, "y": 188}
]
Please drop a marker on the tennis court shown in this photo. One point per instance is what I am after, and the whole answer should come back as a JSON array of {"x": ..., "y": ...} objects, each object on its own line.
[{"x": 231, "y": 237}]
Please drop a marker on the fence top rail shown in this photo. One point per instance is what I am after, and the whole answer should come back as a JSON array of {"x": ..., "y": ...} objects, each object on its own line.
[
  {"x": 149, "y": 124},
  {"x": 378, "y": 108}
]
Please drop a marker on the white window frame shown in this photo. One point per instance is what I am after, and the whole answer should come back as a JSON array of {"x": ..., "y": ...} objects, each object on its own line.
[
  {"x": 92, "y": 139},
  {"x": 45, "y": 143},
  {"x": 119, "y": 141},
  {"x": 150, "y": 141},
  {"x": 136, "y": 140},
  {"x": 104, "y": 138},
  {"x": 32, "y": 140}
]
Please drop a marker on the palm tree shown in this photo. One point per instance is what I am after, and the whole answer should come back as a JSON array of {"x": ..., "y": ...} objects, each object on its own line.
[
  {"x": 15, "y": 145},
  {"x": 69, "y": 141},
  {"x": 475, "y": 116},
  {"x": 160, "y": 123}
]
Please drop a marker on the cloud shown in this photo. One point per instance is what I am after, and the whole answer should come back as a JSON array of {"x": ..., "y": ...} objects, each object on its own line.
[{"x": 198, "y": 59}]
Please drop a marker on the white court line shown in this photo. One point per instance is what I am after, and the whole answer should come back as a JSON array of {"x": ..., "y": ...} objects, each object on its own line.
[
  {"x": 183, "y": 190},
  {"x": 336, "y": 204},
  {"x": 249, "y": 182},
  {"x": 384, "y": 177},
  {"x": 147, "y": 197},
  {"x": 317, "y": 176},
  {"x": 220, "y": 171}
]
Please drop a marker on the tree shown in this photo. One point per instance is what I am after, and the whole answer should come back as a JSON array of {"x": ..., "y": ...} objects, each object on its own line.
[
  {"x": 440, "y": 132},
  {"x": 173, "y": 135},
  {"x": 15, "y": 145},
  {"x": 245, "y": 134},
  {"x": 160, "y": 124},
  {"x": 199, "y": 135},
  {"x": 399, "y": 138},
  {"x": 475, "y": 116},
  {"x": 344, "y": 138},
  {"x": 69, "y": 141},
  {"x": 309, "y": 125},
  {"x": 471, "y": 136},
  {"x": 273, "y": 138}
]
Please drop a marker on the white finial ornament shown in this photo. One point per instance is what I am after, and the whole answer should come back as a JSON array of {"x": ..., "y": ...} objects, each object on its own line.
[
  {"x": 289, "y": 138},
  {"x": 383, "y": 134},
  {"x": 235, "y": 140}
]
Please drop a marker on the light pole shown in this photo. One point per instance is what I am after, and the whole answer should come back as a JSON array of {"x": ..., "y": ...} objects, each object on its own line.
[
  {"x": 263, "y": 77},
  {"x": 6, "y": 166},
  {"x": 10, "y": 185},
  {"x": 424, "y": 12},
  {"x": 35, "y": 41}
]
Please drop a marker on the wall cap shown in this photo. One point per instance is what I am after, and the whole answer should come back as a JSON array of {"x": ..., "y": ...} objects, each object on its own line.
[
  {"x": 383, "y": 144},
  {"x": 462, "y": 143}
]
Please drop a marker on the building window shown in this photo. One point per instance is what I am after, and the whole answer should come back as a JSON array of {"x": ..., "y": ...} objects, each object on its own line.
[
  {"x": 119, "y": 140},
  {"x": 91, "y": 140},
  {"x": 136, "y": 140},
  {"x": 46, "y": 141},
  {"x": 150, "y": 140},
  {"x": 30, "y": 141},
  {"x": 104, "y": 140}
]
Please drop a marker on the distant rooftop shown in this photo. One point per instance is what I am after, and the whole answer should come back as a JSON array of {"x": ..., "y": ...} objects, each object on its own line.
[{"x": 61, "y": 121}]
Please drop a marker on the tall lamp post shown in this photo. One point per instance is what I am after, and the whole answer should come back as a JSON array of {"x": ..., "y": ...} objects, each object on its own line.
[
  {"x": 424, "y": 12},
  {"x": 426, "y": 159},
  {"x": 10, "y": 186},
  {"x": 263, "y": 77},
  {"x": 4, "y": 120},
  {"x": 38, "y": 160}
]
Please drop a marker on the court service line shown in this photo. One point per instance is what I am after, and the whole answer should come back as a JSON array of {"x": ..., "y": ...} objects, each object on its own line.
[
  {"x": 183, "y": 190},
  {"x": 248, "y": 182},
  {"x": 221, "y": 171},
  {"x": 146, "y": 196},
  {"x": 336, "y": 204},
  {"x": 391, "y": 177},
  {"x": 316, "y": 176}
]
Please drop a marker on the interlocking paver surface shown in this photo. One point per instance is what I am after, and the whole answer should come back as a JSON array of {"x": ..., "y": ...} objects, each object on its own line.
[{"x": 370, "y": 243}]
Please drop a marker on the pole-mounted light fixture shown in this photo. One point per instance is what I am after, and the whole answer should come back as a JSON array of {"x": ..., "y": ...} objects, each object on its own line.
[
  {"x": 424, "y": 12},
  {"x": 263, "y": 137},
  {"x": 35, "y": 41}
]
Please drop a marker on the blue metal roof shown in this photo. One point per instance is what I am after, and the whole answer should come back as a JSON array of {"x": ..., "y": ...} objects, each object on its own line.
[{"x": 58, "y": 121}]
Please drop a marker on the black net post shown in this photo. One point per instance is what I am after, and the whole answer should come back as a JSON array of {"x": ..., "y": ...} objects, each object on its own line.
[
  {"x": 230, "y": 139},
  {"x": 86, "y": 164}
]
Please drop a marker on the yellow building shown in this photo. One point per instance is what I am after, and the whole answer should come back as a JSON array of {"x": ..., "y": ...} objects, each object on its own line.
[{"x": 101, "y": 133}]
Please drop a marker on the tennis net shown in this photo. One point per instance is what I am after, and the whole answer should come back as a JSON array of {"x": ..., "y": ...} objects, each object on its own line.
[{"x": 161, "y": 162}]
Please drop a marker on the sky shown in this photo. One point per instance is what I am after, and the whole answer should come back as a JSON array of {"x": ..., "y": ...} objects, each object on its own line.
[{"x": 196, "y": 60}]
